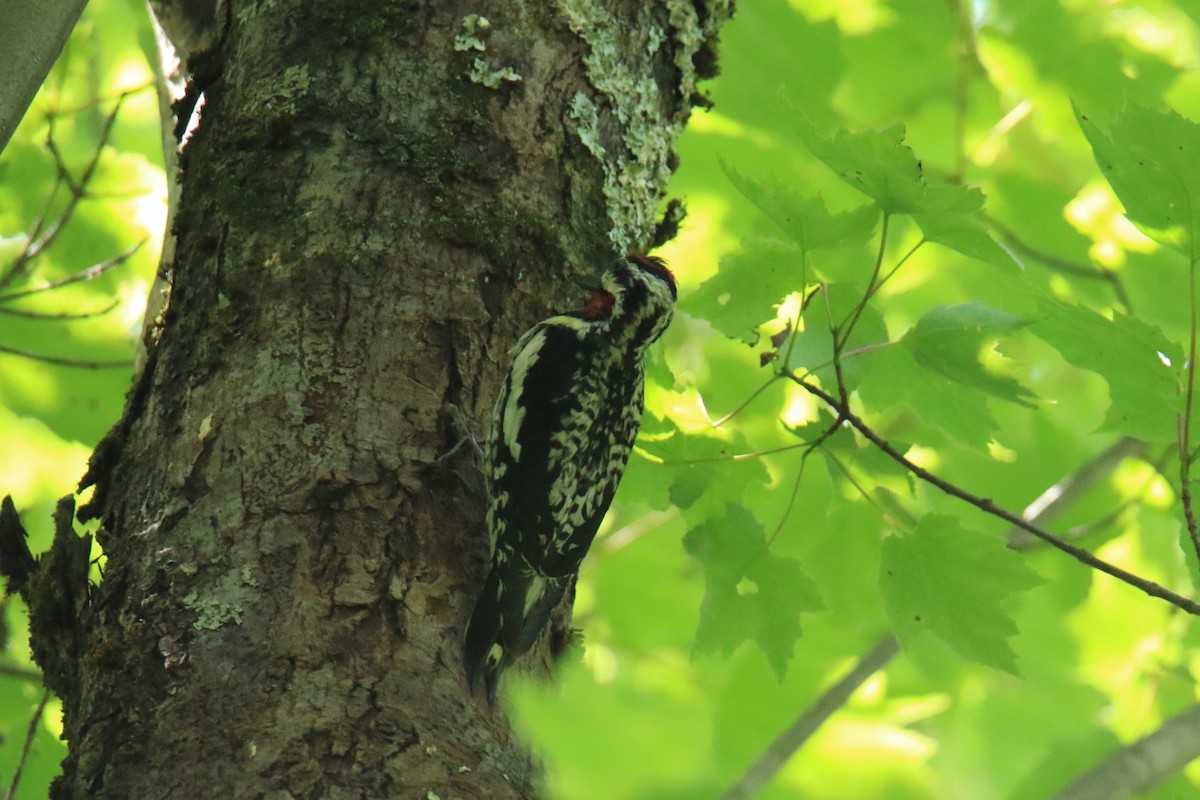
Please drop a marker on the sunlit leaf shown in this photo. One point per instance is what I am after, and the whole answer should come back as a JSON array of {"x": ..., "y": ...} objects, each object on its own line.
[
  {"x": 805, "y": 220},
  {"x": 953, "y": 583},
  {"x": 1138, "y": 362},
  {"x": 965, "y": 235},
  {"x": 750, "y": 594},
  {"x": 881, "y": 166},
  {"x": 748, "y": 287},
  {"x": 1150, "y": 158},
  {"x": 948, "y": 341}
]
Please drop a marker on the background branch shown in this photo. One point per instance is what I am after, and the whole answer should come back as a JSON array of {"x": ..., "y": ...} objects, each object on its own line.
[
  {"x": 788, "y": 742},
  {"x": 1143, "y": 764},
  {"x": 32, "y": 34},
  {"x": 29, "y": 736}
]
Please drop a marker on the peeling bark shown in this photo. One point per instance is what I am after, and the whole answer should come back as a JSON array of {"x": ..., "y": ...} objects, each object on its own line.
[{"x": 379, "y": 199}]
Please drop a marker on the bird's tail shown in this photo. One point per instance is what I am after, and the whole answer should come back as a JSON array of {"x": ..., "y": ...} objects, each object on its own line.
[
  {"x": 512, "y": 611},
  {"x": 482, "y": 651}
]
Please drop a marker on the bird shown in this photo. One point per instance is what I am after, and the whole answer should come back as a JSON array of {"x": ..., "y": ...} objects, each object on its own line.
[{"x": 562, "y": 430}]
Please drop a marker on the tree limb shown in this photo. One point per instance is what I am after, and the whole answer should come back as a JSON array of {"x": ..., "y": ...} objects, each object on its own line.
[
  {"x": 788, "y": 742},
  {"x": 987, "y": 506},
  {"x": 1142, "y": 765},
  {"x": 32, "y": 34}
]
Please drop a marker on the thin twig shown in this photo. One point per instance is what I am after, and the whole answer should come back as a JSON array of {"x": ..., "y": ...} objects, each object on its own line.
[
  {"x": 987, "y": 506},
  {"x": 841, "y": 333},
  {"x": 24, "y": 673},
  {"x": 100, "y": 100},
  {"x": 742, "y": 406},
  {"x": 834, "y": 698},
  {"x": 85, "y": 274},
  {"x": 66, "y": 362},
  {"x": 44, "y": 234},
  {"x": 886, "y": 515},
  {"x": 962, "y": 87},
  {"x": 736, "y": 456},
  {"x": 810, "y": 448},
  {"x": 1186, "y": 456},
  {"x": 896, "y": 268},
  {"x": 78, "y": 188},
  {"x": 1063, "y": 265},
  {"x": 32, "y": 732},
  {"x": 59, "y": 316}
]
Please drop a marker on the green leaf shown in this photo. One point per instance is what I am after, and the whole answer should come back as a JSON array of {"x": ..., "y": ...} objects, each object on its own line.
[
  {"x": 747, "y": 287},
  {"x": 812, "y": 347},
  {"x": 805, "y": 220},
  {"x": 881, "y": 166},
  {"x": 1149, "y": 158},
  {"x": 750, "y": 593},
  {"x": 949, "y": 339},
  {"x": 1129, "y": 354},
  {"x": 696, "y": 474},
  {"x": 965, "y": 235},
  {"x": 896, "y": 385},
  {"x": 952, "y": 582}
]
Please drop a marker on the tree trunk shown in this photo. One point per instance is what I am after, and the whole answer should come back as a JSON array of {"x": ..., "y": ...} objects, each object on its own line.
[{"x": 380, "y": 197}]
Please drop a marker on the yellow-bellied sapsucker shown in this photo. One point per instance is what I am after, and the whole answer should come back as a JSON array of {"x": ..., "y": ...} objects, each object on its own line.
[{"x": 562, "y": 431}]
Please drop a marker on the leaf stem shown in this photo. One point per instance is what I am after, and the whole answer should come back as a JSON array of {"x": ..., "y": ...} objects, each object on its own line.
[
  {"x": 841, "y": 332},
  {"x": 1186, "y": 456}
]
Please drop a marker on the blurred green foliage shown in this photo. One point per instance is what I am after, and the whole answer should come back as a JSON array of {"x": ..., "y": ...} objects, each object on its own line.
[{"x": 51, "y": 415}]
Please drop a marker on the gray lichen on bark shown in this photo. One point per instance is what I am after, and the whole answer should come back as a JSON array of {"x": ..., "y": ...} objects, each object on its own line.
[{"x": 625, "y": 121}]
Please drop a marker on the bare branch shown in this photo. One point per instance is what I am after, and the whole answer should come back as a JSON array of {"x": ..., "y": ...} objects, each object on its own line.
[
  {"x": 1050, "y": 503},
  {"x": 61, "y": 315},
  {"x": 45, "y": 233},
  {"x": 67, "y": 362},
  {"x": 24, "y": 673},
  {"x": 1142, "y": 765},
  {"x": 86, "y": 274},
  {"x": 813, "y": 717},
  {"x": 29, "y": 735},
  {"x": 987, "y": 506}
]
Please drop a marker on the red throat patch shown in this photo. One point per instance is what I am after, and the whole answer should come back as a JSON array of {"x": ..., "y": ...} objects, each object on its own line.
[{"x": 599, "y": 305}]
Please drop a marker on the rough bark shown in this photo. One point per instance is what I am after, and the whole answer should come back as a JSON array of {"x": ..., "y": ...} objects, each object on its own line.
[{"x": 380, "y": 197}]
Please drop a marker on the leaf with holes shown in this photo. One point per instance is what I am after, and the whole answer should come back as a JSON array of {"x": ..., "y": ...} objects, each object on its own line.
[
  {"x": 805, "y": 220},
  {"x": 950, "y": 339},
  {"x": 945, "y": 580},
  {"x": 750, "y": 594},
  {"x": 882, "y": 167},
  {"x": 1149, "y": 158}
]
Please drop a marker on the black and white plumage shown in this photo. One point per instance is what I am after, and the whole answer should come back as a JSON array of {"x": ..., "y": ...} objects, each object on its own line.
[{"x": 562, "y": 431}]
